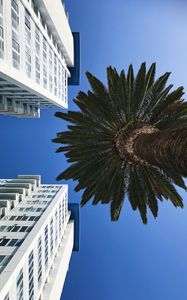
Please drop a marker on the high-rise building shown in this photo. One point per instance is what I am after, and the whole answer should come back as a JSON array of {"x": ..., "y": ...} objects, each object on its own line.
[
  {"x": 36, "y": 50},
  {"x": 37, "y": 236}
]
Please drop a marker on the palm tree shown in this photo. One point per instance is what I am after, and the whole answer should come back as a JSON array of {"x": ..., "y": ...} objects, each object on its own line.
[{"x": 129, "y": 138}]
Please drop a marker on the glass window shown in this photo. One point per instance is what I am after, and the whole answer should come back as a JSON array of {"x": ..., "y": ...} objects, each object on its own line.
[
  {"x": 27, "y": 44},
  {"x": 34, "y": 6},
  {"x": 27, "y": 19},
  {"x": 37, "y": 37},
  {"x": 14, "y": 4},
  {"x": 39, "y": 209},
  {"x": 4, "y": 259},
  {"x": 12, "y": 218},
  {"x": 31, "y": 275},
  {"x": 15, "y": 243},
  {"x": 44, "y": 63},
  {"x": 46, "y": 245},
  {"x": 19, "y": 284},
  {"x": 42, "y": 21},
  {"x": 23, "y": 228},
  {"x": 4, "y": 242},
  {"x": 2, "y": 228},
  {"x": 51, "y": 236},
  {"x": 15, "y": 55},
  {"x": 50, "y": 71},
  {"x": 39, "y": 260},
  {"x": 56, "y": 226},
  {"x": 15, "y": 20},
  {"x": 15, "y": 45},
  {"x": 60, "y": 217},
  {"x": 15, "y": 228}
]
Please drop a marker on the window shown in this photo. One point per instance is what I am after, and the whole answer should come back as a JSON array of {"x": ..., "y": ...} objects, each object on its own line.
[
  {"x": 10, "y": 242},
  {"x": 37, "y": 40},
  {"x": 15, "y": 50},
  {"x": 39, "y": 260},
  {"x": 31, "y": 276},
  {"x": 50, "y": 70},
  {"x": 51, "y": 236},
  {"x": 42, "y": 21},
  {"x": 15, "y": 45},
  {"x": 66, "y": 205},
  {"x": 12, "y": 218},
  {"x": 37, "y": 69},
  {"x": 27, "y": 19},
  {"x": 15, "y": 243},
  {"x": 44, "y": 63},
  {"x": 19, "y": 284},
  {"x": 56, "y": 226},
  {"x": 24, "y": 218},
  {"x": 37, "y": 64},
  {"x": 60, "y": 217},
  {"x": 34, "y": 7},
  {"x": 44, "y": 49},
  {"x": 39, "y": 209},
  {"x": 55, "y": 75},
  {"x": 33, "y": 218},
  {"x": 15, "y": 228},
  {"x": 2, "y": 228},
  {"x": 14, "y": 4},
  {"x": 59, "y": 80},
  {"x": 24, "y": 229},
  {"x": 27, "y": 43},
  {"x": 48, "y": 32},
  {"x": 28, "y": 64},
  {"x": 4, "y": 259},
  {"x": 15, "y": 19},
  {"x": 4, "y": 242},
  {"x": 65, "y": 87},
  {"x": 46, "y": 245},
  {"x": 31, "y": 208},
  {"x": 37, "y": 56},
  {"x": 19, "y": 218},
  {"x": 63, "y": 83}
]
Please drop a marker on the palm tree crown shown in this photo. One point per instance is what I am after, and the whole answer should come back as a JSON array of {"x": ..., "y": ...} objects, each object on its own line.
[{"x": 124, "y": 141}]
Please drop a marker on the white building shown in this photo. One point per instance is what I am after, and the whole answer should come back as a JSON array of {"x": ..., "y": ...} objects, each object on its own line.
[
  {"x": 36, "y": 49},
  {"x": 36, "y": 238}
]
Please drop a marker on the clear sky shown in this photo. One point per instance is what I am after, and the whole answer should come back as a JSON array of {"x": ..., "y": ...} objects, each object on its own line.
[{"x": 125, "y": 260}]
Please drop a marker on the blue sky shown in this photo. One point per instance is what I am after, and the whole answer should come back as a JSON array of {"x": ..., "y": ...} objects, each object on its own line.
[{"x": 123, "y": 260}]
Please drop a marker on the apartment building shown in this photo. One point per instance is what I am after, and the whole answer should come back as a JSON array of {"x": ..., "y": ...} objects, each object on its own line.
[
  {"x": 37, "y": 236},
  {"x": 36, "y": 52}
]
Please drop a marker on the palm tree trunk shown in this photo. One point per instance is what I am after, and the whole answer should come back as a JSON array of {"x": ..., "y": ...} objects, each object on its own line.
[{"x": 166, "y": 149}]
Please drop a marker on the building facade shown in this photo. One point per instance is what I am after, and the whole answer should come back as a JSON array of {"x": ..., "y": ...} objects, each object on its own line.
[
  {"x": 36, "y": 50},
  {"x": 36, "y": 238}
]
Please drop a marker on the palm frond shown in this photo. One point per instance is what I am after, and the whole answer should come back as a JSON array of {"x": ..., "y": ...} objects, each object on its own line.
[{"x": 90, "y": 141}]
